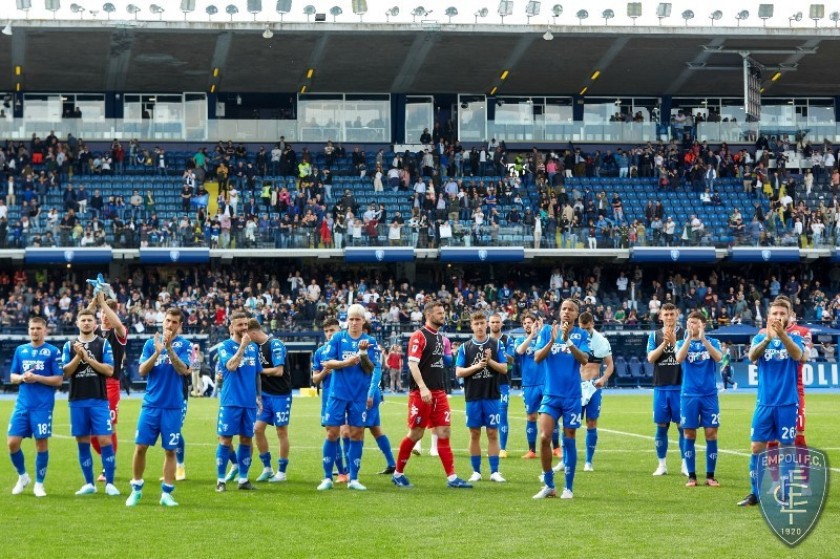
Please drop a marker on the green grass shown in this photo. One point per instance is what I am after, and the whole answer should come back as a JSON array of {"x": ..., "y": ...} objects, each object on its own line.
[{"x": 619, "y": 510}]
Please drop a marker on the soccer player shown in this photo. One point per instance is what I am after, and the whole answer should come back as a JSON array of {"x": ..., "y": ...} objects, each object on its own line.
[
  {"x": 321, "y": 376},
  {"x": 448, "y": 362},
  {"x": 36, "y": 367},
  {"x": 240, "y": 400},
  {"x": 428, "y": 405},
  {"x": 495, "y": 322},
  {"x": 372, "y": 419},
  {"x": 88, "y": 361},
  {"x": 564, "y": 350},
  {"x": 113, "y": 330},
  {"x": 776, "y": 353},
  {"x": 165, "y": 362},
  {"x": 533, "y": 377},
  {"x": 599, "y": 352},
  {"x": 351, "y": 357},
  {"x": 276, "y": 401},
  {"x": 480, "y": 362},
  {"x": 667, "y": 381},
  {"x": 699, "y": 405}
]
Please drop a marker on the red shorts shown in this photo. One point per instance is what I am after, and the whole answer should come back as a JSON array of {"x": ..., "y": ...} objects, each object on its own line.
[
  {"x": 112, "y": 385},
  {"x": 434, "y": 414}
]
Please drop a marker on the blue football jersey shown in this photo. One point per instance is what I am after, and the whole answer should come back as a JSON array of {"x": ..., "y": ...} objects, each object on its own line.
[
  {"x": 533, "y": 373},
  {"x": 350, "y": 383},
  {"x": 562, "y": 370},
  {"x": 318, "y": 361},
  {"x": 240, "y": 385},
  {"x": 777, "y": 372},
  {"x": 374, "y": 390},
  {"x": 164, "y": 386},
  {"x": 699, "y": 370},
  {"x": 42, "y": 360}
]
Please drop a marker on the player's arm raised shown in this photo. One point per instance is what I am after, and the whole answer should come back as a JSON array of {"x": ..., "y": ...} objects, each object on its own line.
[
  {"x": 580, "y": 356},
  {"x": 146, "y": 365},
  {"x": 542, "y": 353},
  {"x": 794, "y": 350},
  {"x": 179, "y": 363},
  {"x": 76, "y": 350},
  {"x": 113, "y": 317},
  {"x": 236, "y": 359},
  {"x": 757, "y": 349}
]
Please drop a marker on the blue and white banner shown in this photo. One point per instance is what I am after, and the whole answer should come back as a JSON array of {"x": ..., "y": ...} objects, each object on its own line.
[
  {"x": 759, "y": 254},
  {"x": 674, "y": 254},
  {"x": 174, "y": 255},
  {"x": 379, "y": 254},
  {"x": 69, "y": 255},
  {"x": 479, "y": 254},
  {"x": 814, "y": 375}
]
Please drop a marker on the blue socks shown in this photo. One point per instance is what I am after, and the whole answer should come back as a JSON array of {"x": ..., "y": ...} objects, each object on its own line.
[
  {"x": 265, "y": 458},
  {"x": 591, "y": 443},
  {"x": 475, "y": 461},
  {"x": 137, "y": 485},
  {"x": 18, "y": 462},
  {"x": 711, "y": 457},
  {"x": 494, "y": 464},
  {"x": 243, "y": 458},
  {"x": 355, "y": 458},
  {"x": 503, "y": 424},
  {"x": 86, "y": 462},
  {"x": 179, "y": 451},
  {"x": 167, "y": 488},
  {"x": 682, "y": 441},
  {"x": 345, "y": 443},
  {"x": 661, "y": 441},
  {"x": 339, "y": 461},
  {"x": 332, "y": 451},
  {"x": 109, "y": 462},
  {"x": 754, "y": 475},
  {"x": 41, "y": 461},
  {"x": 223, "y": 454},
  {"x": 282, "y": 464},
  {"x": 531, "y": 435},
  {"x": 555, "y": 437},
  {"x": 548, "y": 478},
  {"x": 385, "y": 446},
  {"x": 570, "y": 459},
  {"x": 689, "y": 457}
]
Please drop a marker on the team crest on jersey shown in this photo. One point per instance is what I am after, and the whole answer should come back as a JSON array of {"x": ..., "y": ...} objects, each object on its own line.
[
  {"x": 44, "y": 351},
  {"x": 792, "y": 508}
]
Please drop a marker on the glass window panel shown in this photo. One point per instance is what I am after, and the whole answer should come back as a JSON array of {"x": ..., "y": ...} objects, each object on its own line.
[
  {"x": 472, "y": 118},
  {"x": 419, "y": 115}
]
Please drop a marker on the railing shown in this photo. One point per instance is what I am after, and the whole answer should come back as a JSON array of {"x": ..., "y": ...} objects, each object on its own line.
[{"x": 294, "y": 131}]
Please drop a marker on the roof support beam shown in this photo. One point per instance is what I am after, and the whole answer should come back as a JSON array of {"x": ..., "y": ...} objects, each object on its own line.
[
  {"x": 220, "y": 56},
  {"x": 420, "y": 49},
  {"x": 119, "y": 59}
]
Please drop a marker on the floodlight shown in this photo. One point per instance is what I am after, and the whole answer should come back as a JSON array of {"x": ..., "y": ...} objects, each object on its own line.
[
  {"x": 77, "y": 9},
  {"x": 187, "y": 6},
  {"x": 133, "y": 9},
  {"x": 211, "y": 11},
  {"x": 532, "y": 9},
  {"x": 835, "y": 17},
  {"x": 741, "y": 16},
  {"x": 336, "y": 11},
  {"x": 687, "y": 15},
  {"x": 359, "y": 8},
  {"x": 451, "y": 12},
  {"x": 24, "y": 5},
  {"x": 816, "y": 12},
  {"x": 634, "y": 10},
  {"x": 109, "y": 9},
  {"x": 607, "y": 15},
  {"x": 231, "y": 10},
  {"x": 505, "y": 9},
  {"x": 765, "y": 12},
  {"x": 663, "y": 10},
  {"x": 419, "y": 11},
  {"x": 156, "y": 9},
  {"x": 392, "y": 12},
  {"x": 481, "y": 13},
  {"x": 581, "y": 15},
  {"x": 797, "y": 17},
  {"x": 283, "y": 8},
  {"x": 254, "y": 7},
  {"x": 52, "y": 6},
  {"x": 715, "y": 16},
  {"x": 309, "y": 11},
  {"x": 556, "y": 10},
  {"x": 548, "y": 36}
]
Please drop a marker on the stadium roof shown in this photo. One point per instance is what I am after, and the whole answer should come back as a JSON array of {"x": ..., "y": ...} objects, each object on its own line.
[{"x": 423, "y": 58}]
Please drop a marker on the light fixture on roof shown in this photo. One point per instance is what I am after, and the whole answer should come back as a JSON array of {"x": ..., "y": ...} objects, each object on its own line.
[
  {"x": 687, "y": 15},
  {"x": 532, "y": 9},
  {"x": 816, "y": 12},
  {"x": 133, "y": 9},
  {"x": 663, "y": 10},
  {"x": 7, "y": 30},
  {"x": 156, "y": 9},
  {"x": 77, "y": 9},
  {"x": 283, "y": 8},
  {"x": 835, "y": 17},
  {"x": 392, "y": 12},
  {"x": 765, "y": 12},
  {"x": 741, "y": 16},
  {"x": 109, "y": 9},
  {"x": 634, "y": 11},
  {"x": 548, "y": 35},
  {"x": 254, "y": 7},
  {"x": 24, "y": 6},
  {"x": 360, "y": 8},
  {"x": 308, "y": 11},
  {"x": 797, "y": 17},
  {"x": 451, "y": 12},
  {"x": 715, "y": 16},
  {"x": 336, "y": 11},
  {"x": 268, "y": 33},
  {"x": 505, "y": 9},
  {"x": 607, "y": 15},
  {"x": 419, "y": 11},
  {"x": 211, "y": 11},
  {"x": 231, "y": 10},
  {"x": 187, "y": 7},
  {"x": 581, "y": 15},
  {"x": 481, "y": 13},
  {"x": 52, "y": 6}
]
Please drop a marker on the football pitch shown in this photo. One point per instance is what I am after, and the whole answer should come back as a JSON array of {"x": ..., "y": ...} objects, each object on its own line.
[{"x": 619, "y": 510}]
